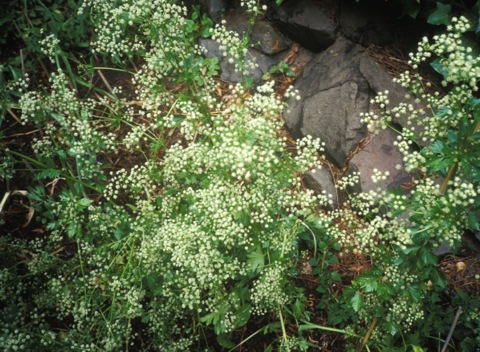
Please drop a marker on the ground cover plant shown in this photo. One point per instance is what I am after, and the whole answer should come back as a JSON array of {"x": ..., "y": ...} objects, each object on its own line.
[{"x": 151, "y": 207}]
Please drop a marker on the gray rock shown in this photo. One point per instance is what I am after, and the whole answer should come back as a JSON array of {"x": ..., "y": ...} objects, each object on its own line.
[
  {"x": 320, "y": 180},
  {"x": 332, "y": 115},
  {"x": 365, "y": 24},
  {"x": 380, "y": 80},
  {"x": 215, "y": 9},
  {"x": 267, "y": 38},
  {"x": 263, "y": 34},
  {"x": 443, "y": 250},
  {"x": 307, "y": 22},
  {"x": 334, "y": 93},
  {"x": 228, "y": 73},
  {"x": 380, "y": 154}
]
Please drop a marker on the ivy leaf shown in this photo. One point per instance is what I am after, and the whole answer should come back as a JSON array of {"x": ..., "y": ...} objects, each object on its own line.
[
  {"x": 357, "y": 302},
  {"x": 441, "y": 15},
  {"x": 437, "y": 66}
]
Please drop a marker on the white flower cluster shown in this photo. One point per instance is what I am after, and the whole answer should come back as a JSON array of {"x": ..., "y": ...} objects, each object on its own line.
[
  {"x": 308, "y": 153},
  {"x": 348, "y": 181},
  {"x": 379, "y": 176},
  {"x": 234, "y": 47},
  {"x": 140, "y": 181},
  {"x": 117, "y": 25},
  {"x": 404, "y": 312},
  {"x": 376, "y": 123},
  {"x": 253, "y": 6},
  {"x": 428, "y": 116},
  {"x": 71, "y": 129},
  {"x": 49, "y": 46},
  {"x": 268, "y": 291},
  {"x": 458, "y": 60}
]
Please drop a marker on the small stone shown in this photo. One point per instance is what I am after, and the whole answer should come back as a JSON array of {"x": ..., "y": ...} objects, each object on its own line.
[{"x": 460, "y": 266}]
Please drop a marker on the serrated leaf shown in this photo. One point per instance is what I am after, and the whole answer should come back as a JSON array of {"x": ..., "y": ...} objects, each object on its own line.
[
  {"x": 48, "y": 173},
  {"x": 414, "y": 292},
  {"x": 428, "y": 258},
  {"x": 256, "y": 260},
  {"x": 357, "y": 302},
  {"x": 437, "y": 147},
  {"x": 441, "y": 15},
  {"x": 391, "y": 327},
  {"x": 385, "y": 290},
  {"x": 85, "y": 202}
]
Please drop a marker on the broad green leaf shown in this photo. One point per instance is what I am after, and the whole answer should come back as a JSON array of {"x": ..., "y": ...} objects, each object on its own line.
[
  {"x": 369, "y": 284},
  {"x": 243, "y": 315},
  {"x": 416, "y": 348},
  {"x": 224, "y": 341},
  {"x": 437, "y": 147},
  {"x": 85, "y": 202},
  {"x": 256, "y": 260},
  {"x": 357, "y": 301},
  {"x": 414, "y": 292},
  {"x": 428, "y": 258},
  {"x": 441, "y": 15},
  {"x": 437, "y": 66},
  {"x": 391, "y": 327}
]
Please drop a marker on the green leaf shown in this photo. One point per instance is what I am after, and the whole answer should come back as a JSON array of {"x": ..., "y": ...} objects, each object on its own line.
[
  {"x": 48, "y": 173},
  {"x": 369, "y": 284},
  {"x": 85, "y": 202},
  {"x": 224, "y": 341},
  {"x": 391, "y": 327},
  {"x": 416, "y": 348},
  {"x": 428, "y": 258},
  {"x": 437, "y": 147},
  {"x": 437, "y": 66},
  {"x": 335, "y": 276},
  {"x": 256, "y": 260},
  {"x": 441, "y": 15},
  {"x": 414, "y": 292},
  {"x": 243, "y": 315},
  {"x": 357, "y": 301}
]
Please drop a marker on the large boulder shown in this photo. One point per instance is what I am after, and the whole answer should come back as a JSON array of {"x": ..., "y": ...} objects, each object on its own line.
[
  {"x": 380, "y": 154},
  {"x": 308, "y": 22},
  {"x": 264, "y": 36},
  {"x": 365, "y": 24},
  {"x": 334, "y": 93}
]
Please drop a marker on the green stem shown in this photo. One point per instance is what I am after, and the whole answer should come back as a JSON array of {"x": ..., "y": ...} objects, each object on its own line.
[
  {"x": 310, "y": 326},
  {"x": 284, "y": 331},
  {"x": 43, "y": 166}
]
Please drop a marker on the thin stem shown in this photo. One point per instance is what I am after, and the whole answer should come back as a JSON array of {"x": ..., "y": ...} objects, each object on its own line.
[
  {"x": 284, "y": 331},
  {"x": 452, "y": 329}
]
